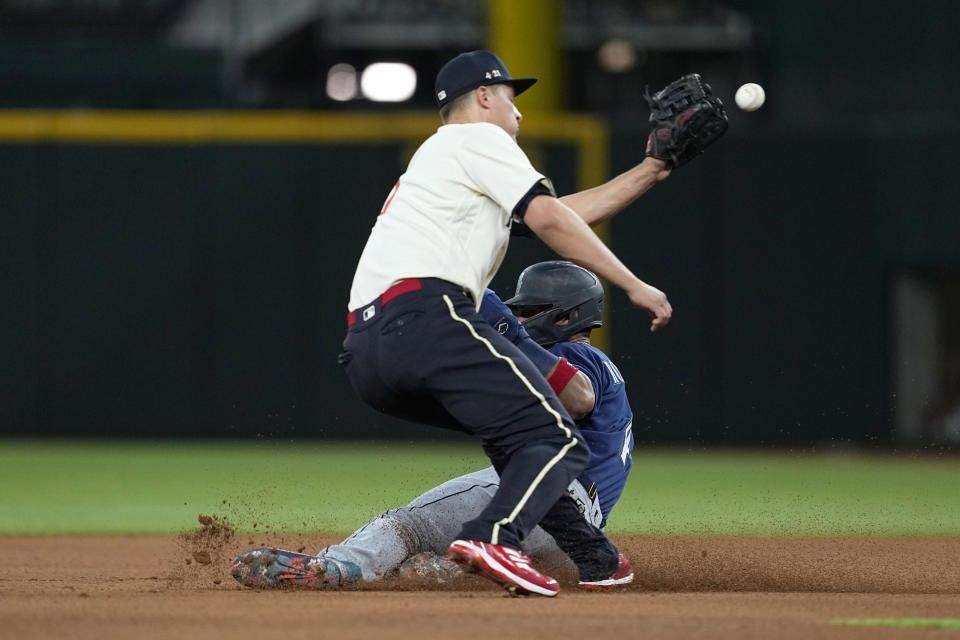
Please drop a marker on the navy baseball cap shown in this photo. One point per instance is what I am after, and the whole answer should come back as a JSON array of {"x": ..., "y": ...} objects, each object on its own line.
[{"x": 474, "y": 69}]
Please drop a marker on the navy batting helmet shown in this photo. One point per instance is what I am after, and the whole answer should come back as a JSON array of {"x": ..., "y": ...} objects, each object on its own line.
[{"x": 554, "y": 291}]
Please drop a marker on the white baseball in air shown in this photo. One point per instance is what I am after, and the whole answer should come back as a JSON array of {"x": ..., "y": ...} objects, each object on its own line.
[{"x": 750, "y": 96}]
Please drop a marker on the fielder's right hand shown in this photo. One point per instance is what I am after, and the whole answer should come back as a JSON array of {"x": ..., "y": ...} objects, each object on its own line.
[{"x": 654, "y": 301}]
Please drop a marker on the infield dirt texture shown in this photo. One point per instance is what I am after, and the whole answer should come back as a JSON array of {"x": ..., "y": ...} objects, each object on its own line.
[{"x": 180, "y": 587}]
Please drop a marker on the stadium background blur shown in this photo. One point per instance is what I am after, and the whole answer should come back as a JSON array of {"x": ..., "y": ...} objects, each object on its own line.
[{"x": 187, "y": 184}]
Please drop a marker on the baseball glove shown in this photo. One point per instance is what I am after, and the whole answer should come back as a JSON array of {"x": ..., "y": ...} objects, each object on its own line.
[{"x": 686, "y": 118}]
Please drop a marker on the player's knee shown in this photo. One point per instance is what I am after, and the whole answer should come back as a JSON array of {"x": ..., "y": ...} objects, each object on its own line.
[
  {"x": 575, "y": 452},
  {"x": 403, "y": 526}
]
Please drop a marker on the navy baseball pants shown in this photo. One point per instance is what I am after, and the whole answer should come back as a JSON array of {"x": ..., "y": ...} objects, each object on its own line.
[{"x": 421, "y": 352}]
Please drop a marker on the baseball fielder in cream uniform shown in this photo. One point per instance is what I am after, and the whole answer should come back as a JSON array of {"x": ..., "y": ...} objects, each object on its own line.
[{"x": 416, "y": 347}]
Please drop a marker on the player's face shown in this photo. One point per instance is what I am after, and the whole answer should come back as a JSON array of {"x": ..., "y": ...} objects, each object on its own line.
[
  {"x": 526, "y": 312},
  {"x": 505, "y": 114}
]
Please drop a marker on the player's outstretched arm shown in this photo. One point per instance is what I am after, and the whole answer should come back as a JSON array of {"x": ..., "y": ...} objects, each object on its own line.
[
  {"x": 601, "y": 203},
  {"x": 567, "y": 234}
]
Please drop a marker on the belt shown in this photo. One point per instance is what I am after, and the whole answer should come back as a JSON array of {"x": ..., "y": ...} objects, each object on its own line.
[{"x": 400, "y": 288}]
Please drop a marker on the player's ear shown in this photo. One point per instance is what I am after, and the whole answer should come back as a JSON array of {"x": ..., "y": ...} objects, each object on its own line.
[{"x": 484, "y": 95}]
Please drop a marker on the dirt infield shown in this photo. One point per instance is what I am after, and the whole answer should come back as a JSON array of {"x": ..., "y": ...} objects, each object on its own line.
[{"x": 180, "y": 587}]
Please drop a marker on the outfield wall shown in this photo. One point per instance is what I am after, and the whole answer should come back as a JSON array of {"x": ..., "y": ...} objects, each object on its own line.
[{"x": 190, "y": 277}]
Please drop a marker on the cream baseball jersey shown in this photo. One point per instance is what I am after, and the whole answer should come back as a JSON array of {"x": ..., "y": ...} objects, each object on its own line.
[{"x": 449, "y": 215}]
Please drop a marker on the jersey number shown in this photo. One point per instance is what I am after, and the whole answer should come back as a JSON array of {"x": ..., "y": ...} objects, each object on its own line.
[
  {"x": 614, "y": 372},
  {"x": 625, "y": 453},
  {"x": 386, "y": 204}
]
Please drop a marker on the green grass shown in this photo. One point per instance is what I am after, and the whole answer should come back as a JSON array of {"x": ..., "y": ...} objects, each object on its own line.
[
  {"x": 789, "y": 494},
  {"x": 161, "y": 487},
  {"x": 94, "y": 487},
  {"x": 950, "y": 624}
]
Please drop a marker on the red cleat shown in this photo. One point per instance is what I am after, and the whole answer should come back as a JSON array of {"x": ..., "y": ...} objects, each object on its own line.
[
  {"x": 623, "y": 575},
  {"x": 503, "y": 565}
]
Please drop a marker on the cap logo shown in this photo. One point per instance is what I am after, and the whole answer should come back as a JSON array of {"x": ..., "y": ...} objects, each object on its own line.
[
  {"x": 493, "y": 73},
  {"x": 441, "y": 95}
]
